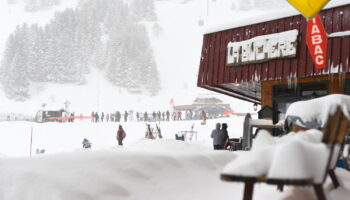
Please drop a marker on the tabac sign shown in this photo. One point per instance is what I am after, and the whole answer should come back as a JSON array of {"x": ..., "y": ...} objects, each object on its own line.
[
  {"x": 316, "y": 40},
  {"x": 262, "y": 48}
]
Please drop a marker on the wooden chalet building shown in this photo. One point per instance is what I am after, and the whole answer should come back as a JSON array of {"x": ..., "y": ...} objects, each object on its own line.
[
  {"x": 269, "y": 63},
  {"x": 212, "y": 106}
]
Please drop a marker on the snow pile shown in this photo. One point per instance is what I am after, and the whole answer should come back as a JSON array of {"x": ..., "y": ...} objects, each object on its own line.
[
  {"x": 314, "y": 113},
  {"x": 299, "y": 159},
  {"x": 117, "y": 173}
]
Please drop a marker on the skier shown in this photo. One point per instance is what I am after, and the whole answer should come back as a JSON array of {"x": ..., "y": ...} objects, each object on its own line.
[
  {"x": 92, "y": 116},
  {"x": 107, "y": 117},
  {"x": 163, "y": 116},
  {"x": 204, "y": 117},
  {"x": 86, "y": 144},
  {"x": 137, "y": 116},
  {"x": 167, "y": 115},
  {"x": 154, "y": 115},
  {"x": 179, "y": 115},
  {"x": 97, "y": 117},
  {"x": 117, "y": 116},
  {"x": 102, "y": 116},
  {"x": 126, "y": 116},
  {"x": 120, "y": 135},
  {"x": 145, "y": 117},
  {"x": 159, "y": 115}
]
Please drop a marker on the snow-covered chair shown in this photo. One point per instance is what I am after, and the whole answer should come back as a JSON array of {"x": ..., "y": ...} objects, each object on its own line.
[
  {"x": 262, "y": 166},
  {"x": 313, "y": 113}
]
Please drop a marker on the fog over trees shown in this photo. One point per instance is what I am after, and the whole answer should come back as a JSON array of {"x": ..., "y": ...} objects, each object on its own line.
[{"x": 103, "y": 34}]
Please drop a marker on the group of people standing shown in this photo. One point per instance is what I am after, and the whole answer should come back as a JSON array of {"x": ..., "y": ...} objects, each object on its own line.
[
  {"x": 154, "y": 116},
  {"x": 220, "y": 136},
  {"x": 142, "y": 116},
  {"x": 112, "y": 117}
]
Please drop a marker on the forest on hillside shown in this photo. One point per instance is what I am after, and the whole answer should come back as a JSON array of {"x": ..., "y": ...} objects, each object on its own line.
[{"x": 107, "y": 35}]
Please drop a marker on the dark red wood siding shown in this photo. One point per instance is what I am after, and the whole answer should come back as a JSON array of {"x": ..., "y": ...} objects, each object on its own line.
[{"x": 213, "y": 69}]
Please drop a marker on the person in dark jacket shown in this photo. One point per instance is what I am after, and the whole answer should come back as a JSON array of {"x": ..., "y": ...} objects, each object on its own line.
[
  {"x": 126, "y": 116},
  {"x": 163, "y": 116},
  {"x": 218, "y": 138},
  {"x": 97, "y": 117},
  {"x": 86, "y": 144},
  {"x": 167, "y": 115},
  {"x": 138, "y": 116},
  {"x": 117, "y": 116},
  {"x": 102, "y": 116},
  {"x": 120, "y": 135},
  {"x": 159, "y": 115},
  {"x": 154, "y": 115},
  {"x": 224, "y": 131},
  {"x": 145, "y": 117}
]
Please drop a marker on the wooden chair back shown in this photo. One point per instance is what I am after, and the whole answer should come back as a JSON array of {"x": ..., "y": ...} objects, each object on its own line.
[
  {"x": 336, "y": 128},
  {"x": 335, "y": 131}
]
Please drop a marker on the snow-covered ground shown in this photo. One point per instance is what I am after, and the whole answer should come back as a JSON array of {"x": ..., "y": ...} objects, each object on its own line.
[
  {"x": 67, "y": 137},
  {"x": 141, "y": 169}
]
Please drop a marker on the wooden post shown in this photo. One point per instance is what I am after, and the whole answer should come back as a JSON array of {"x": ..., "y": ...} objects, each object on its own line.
[
  {"x": 319, "y": 192},
  {"x": 31, "y": 141},
  {"x": 248, "y": 191},
  {"x": 334, "y": 178}
]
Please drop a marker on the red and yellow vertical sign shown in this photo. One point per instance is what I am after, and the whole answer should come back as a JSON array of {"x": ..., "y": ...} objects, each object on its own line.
[{"x": 316, "y": 40}]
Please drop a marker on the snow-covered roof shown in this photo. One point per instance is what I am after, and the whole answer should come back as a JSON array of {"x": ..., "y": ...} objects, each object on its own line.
[
  {"x": 207, "y": 100},
  {"x": 269, "y": 15},
  {"x": 339, "y": 34}
]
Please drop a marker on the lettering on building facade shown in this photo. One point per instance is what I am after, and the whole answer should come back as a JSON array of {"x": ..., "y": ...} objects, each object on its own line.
[{"x": 262, "y": 48}]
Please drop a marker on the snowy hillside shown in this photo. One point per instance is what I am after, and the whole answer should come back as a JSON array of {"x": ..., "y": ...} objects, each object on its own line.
[
  {"x": 176, "y": 41},
  {"x": 176, "y": 38}
]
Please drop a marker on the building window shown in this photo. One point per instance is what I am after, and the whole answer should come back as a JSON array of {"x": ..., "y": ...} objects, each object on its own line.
[
  {"x": 347, "y": 87},
  {"x": 285, "y": 95}
]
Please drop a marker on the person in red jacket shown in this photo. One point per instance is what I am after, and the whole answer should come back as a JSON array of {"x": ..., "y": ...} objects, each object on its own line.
[{"x": 120, "y": 135}]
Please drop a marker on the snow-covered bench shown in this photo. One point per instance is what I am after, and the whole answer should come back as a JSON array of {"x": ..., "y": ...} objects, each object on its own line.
[
  {"x": 313, "y": 113},
  {"x": 303, "y": 158}
]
